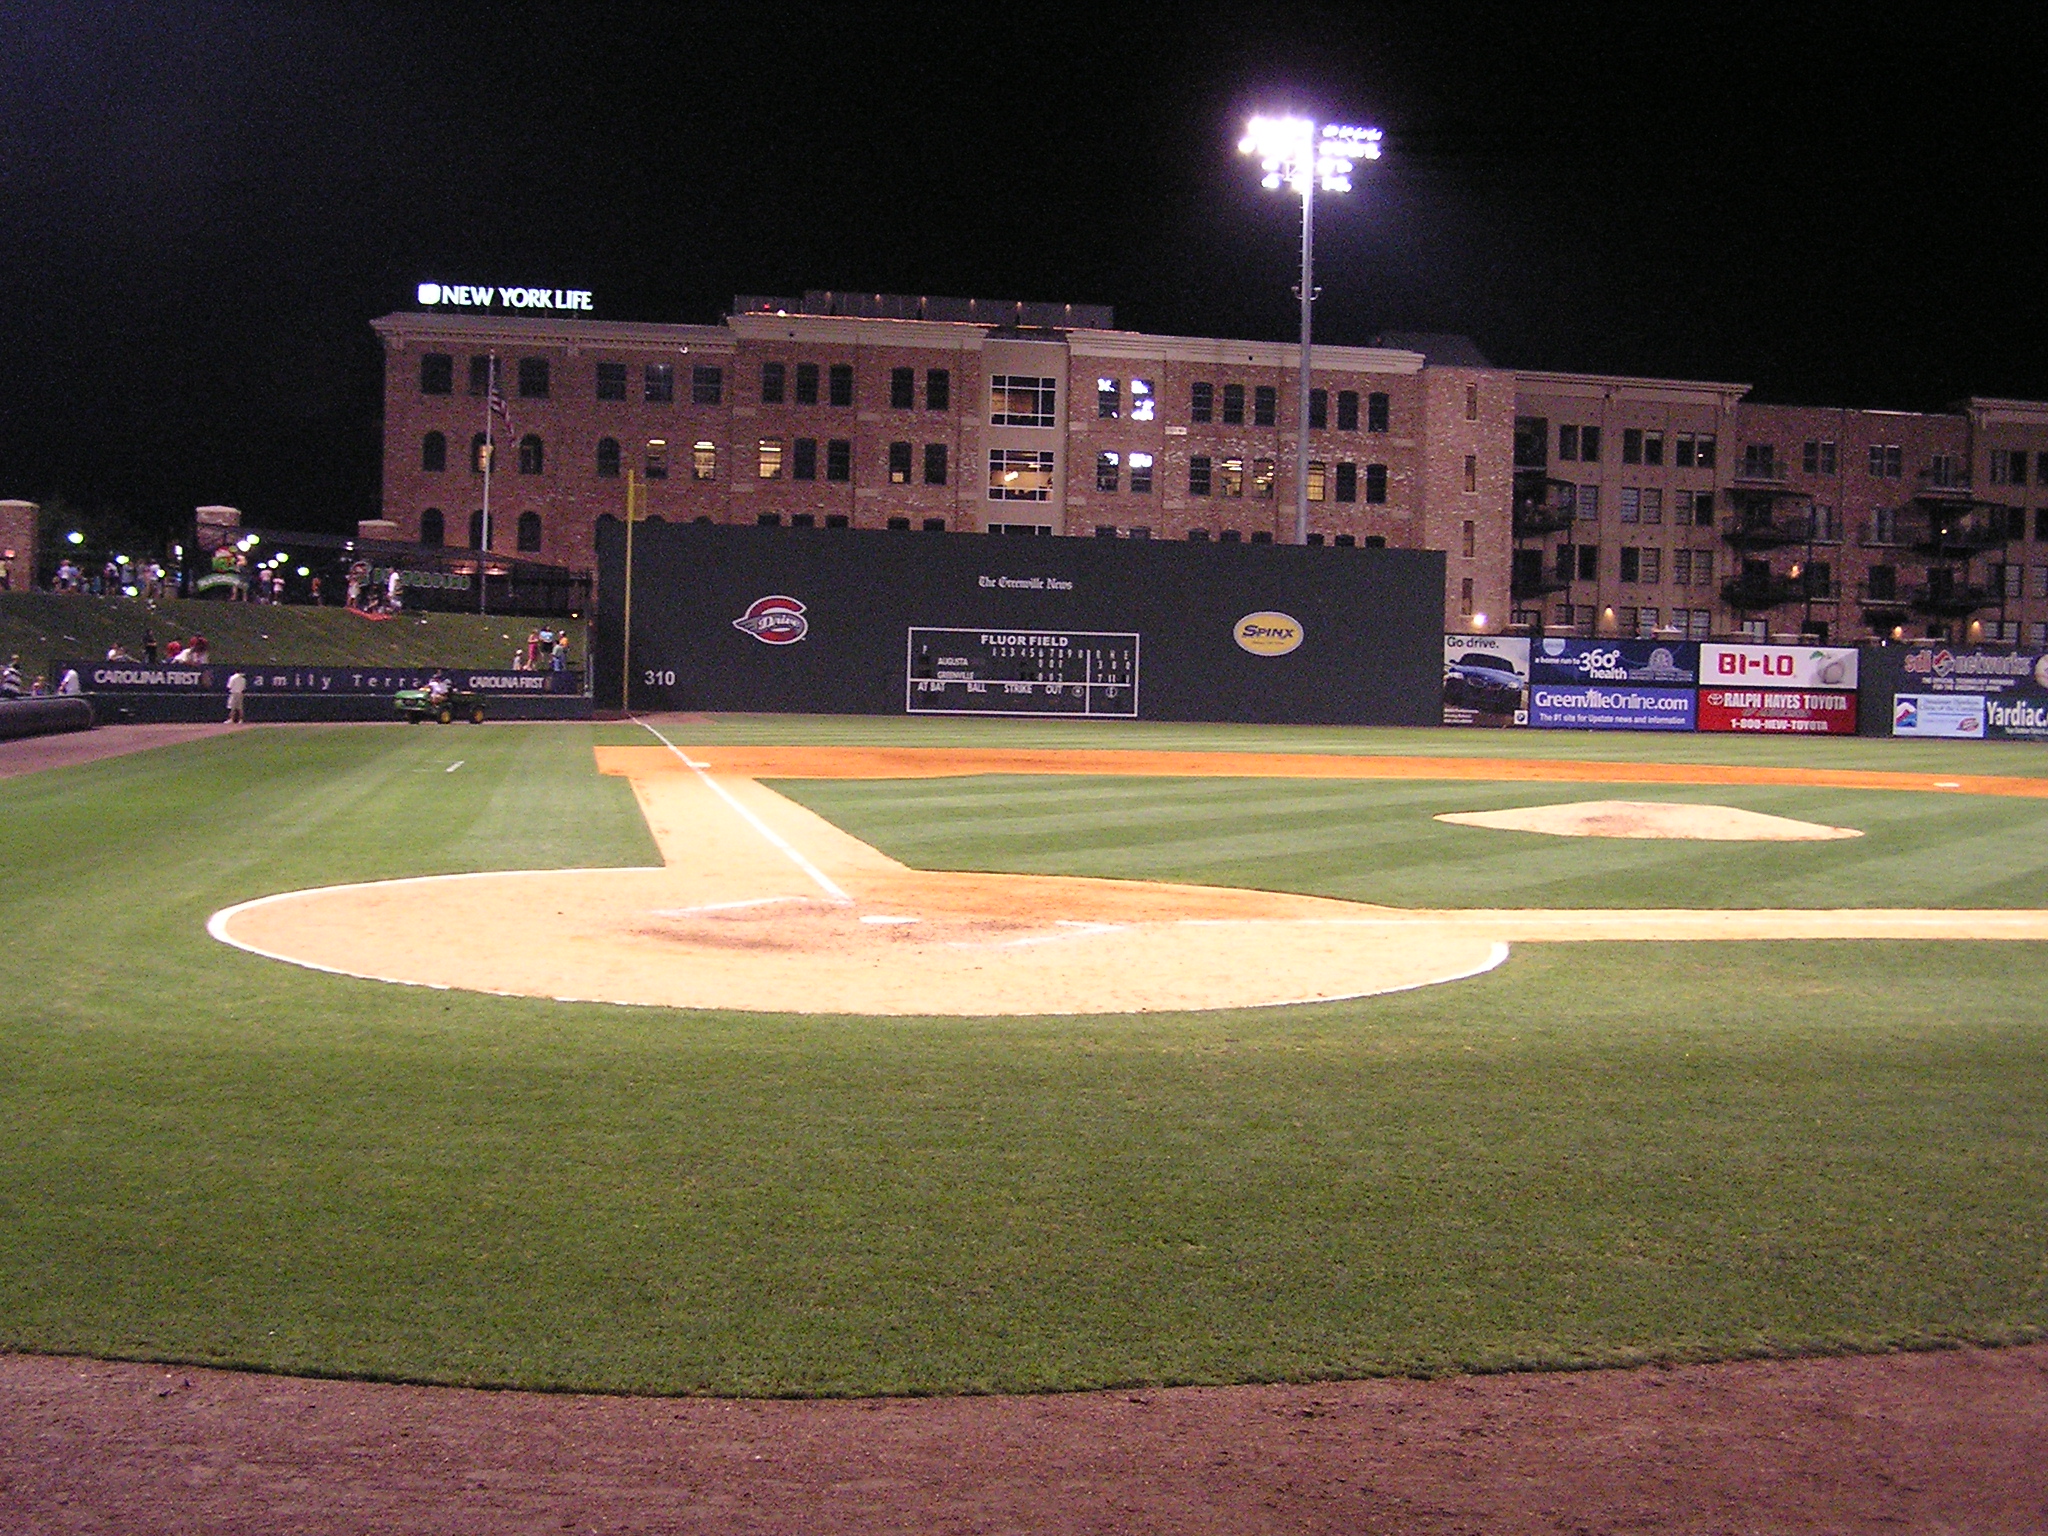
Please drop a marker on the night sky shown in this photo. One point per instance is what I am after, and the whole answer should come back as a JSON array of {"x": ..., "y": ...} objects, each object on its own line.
[{"x": 203, "y": 205}]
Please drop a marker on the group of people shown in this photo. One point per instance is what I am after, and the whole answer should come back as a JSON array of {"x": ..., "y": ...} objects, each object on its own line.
[
  {"x": 11, "y": 686},
  {"x": 546, "y": 650},
  {"x": 148, "y": 579},
  {"x": 177, "y": 653}
]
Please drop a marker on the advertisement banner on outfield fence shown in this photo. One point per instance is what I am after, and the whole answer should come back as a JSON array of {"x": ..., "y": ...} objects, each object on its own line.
[
  {"x": 1778, "y": 711},
  {"x": 1601, "y": 707},
  {"x": 1660, "y": 663},
  {"x": 1949, "y": 716},
  {"x": 1937, "y": 669},
  {"x": 1777, "y": 666},
  {"x": 1486, "y": 680},
  {"x": 141, "y": 677}
]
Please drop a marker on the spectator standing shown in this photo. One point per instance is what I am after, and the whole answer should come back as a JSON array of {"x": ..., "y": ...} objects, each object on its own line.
[
  {"x": 315, "y": 590},
  {"x": 149, "y": 645},
  {"x": 238, "y": 688},
  {"x": 10, "y": 679},
  {"x": 558, "y": 657},
  {"x": 68, "y": 685},
  {"x": 195, "y": 654}
]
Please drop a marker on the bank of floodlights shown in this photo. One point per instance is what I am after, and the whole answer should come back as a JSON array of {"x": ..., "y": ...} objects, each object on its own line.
[{"x": 1295, "y": 154}]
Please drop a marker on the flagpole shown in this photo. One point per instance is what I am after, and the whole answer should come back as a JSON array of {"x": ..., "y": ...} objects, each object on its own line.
[
  {"x": 626, "y": 631},
  {"x": 483, "y": 554}
]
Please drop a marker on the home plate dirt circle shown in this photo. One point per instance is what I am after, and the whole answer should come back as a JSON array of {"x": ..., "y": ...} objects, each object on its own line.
[{"x": 763, "y": 905}]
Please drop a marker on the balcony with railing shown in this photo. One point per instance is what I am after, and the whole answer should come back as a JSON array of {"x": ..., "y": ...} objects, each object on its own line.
[
  {"x": 1946, "y": 484},
  {"x": 1765, "y": 527},
  {"x": 1755, "y": 591},
  {"x": 1950, "y": 599},
  {"x": 1946, "y": 533}
]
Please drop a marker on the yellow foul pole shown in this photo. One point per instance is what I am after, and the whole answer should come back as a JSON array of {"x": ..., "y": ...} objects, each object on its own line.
[{"x": 626, "y": 631}]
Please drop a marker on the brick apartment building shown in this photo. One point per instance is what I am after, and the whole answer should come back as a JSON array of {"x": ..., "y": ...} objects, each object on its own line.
[{"x": 1563, "y": 502}]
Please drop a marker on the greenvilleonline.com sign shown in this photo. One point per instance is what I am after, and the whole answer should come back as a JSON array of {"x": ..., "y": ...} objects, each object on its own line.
[{"x": 470, "y": 296}]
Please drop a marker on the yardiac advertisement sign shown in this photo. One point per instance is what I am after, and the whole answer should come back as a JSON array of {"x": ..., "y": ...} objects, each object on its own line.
[
  {"x": 1486, "y": 680},
  {"x": 1778, "y": 711}
]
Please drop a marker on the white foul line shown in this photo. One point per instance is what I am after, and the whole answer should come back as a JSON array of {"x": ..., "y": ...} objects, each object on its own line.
[
  {"x": 456, "y": 764},
  {"x": 823, "y": 880}
]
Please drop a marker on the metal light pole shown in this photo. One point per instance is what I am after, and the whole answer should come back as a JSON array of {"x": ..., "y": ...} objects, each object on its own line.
[{"x": 1292, "y": 153}]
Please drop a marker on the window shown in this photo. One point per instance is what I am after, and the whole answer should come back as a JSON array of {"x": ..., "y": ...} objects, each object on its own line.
[
  {"x": 1817, "y": 457},
  {"x": 480, "y": 376},
  {"x": 707, "y": 386},
  {"x": 1376, "y": 407},
  {"x": 1142, "y": 400},
  {"x": 1347, "y": 481},
  {"x": 529, "y": 533},
  {"x": 1198, "y": 535},
  {"x": 1824, "y": 524},
  {"x": 703, "y": 460},
  {"x": 1589, "y": 562},
  {"x": 1886, "y": 461},
  {"x": 1472, "y": 472},
  {"x": 2041, "y": 581},
  {"x": 899, "y": 463},
  {"x": 768, "y": 459},
  {"x": 1465, "y": 596},
  {"x": 1345, "y": 541},
  {"x": 838, "y": 520},
  {"x": 2041, "y": 524},
  {"x": 768, "y": 520},
  {"x": 1233, "y": 405},
  {"x": 1566, "y": 498},
  {"x": 1471, "y": 402},
  {"x": 1105, "y": 530},
  {"x": 531, "y": 455},
  {"x": 1646, "y": 623},
  {"x": 1759, "y": 461},
  {"x": 1653, "y": 567},
  {"x": 1695, "y": 509},
  {"x": 1884, "y": 582},
  {"x": 1231, "y": 478},
  {"x": 432, "y": 531},
  {"x": 2041, "y": 469},
  {"x": 658, "y": 383},
  {"x": 933, "y": 525},
  {"x": 1631, "y": 564},
  {"x": 1681, "y": 451},
  {"x": 1653, "y": 448},
  {"x": 657, "y": 458},
  {"x": 839, "y": 384},
  {"x": 1653, "y": 504},
  {"x": 838, "y": 459},
  {"x": 1265, "y": 405},
  {"x": 479, "y": 450},
  {"x": 1021, "y": 400},
  {"x": 1627, "y": 619},
  {"x": 1884, "y": 525},
  {"x": 1108, "y": 471},
  {"x": 934, "y": 463},
  {"x": 1817, "y": 579},
  {"x": 1631, "y": 504},
  {"x": 1568, "y": 443},
  {"x": 1198, "y": 475},
  {"x": 437, "y": 374},
  {"x": 1230, "y": 536},
  {"x": 1681, "y": 567},
  {"x": 1201, "y": 401},
  {"x": 902, "y": 524},
  {"x": 1019, "y": 474},
  {"x": 1318, "y": 480},
  {"x": 1262, "y": 478},
  {"x": 608, "y": 457},
  {"x": 1375, "y": 482},
  {"x": 1589, "y": 504},
  {"x": 806, "y": 383},
  {"x": 611, "y": 381},
  {"x": 2008, "y": 467},
  {"x": 902, "y": 388},
  {"x": 803, "y": 459},
  {"x": 533, "y": 378},
  {"x": 1631, "y": 445},
  {"x": 2003, "y": 631},
  {"x": 1141, "y": 474},
  {"x": 938, "y": 389},
  {"x": 803, "y": 520},
  {"x": 1470, "y": 539},
  {"x": 2037, "y": 633},
  {"x": 476, "y": 529},
  {"x": 434, "y": 453},
  {"x": 1347, "y": 410},
  {"x": 773, "y": 377},
  {"x": 1704, "y": 444},
  {"x": 1318, "y": 409},
  {"x": 1108, "y": 399},
  {"x": 2013, "y": 575}
]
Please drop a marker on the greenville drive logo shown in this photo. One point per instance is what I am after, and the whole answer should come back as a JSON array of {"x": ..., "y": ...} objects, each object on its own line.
[
  {"x": 1268, "y": 634},
  {"x": 774, "y": 620}
]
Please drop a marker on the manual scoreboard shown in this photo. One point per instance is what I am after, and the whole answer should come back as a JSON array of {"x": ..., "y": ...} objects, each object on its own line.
[{"x": 1021, "y": 672}]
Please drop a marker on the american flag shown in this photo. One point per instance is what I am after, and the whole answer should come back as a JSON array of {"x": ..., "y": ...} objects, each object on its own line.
[{"x": 498, "y": 400}]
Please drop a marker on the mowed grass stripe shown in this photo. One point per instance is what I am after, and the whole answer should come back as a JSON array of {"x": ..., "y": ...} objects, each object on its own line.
[{"x": 1599, "y": 1153}]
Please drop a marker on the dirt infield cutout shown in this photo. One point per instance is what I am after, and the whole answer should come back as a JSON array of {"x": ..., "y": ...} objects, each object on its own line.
[
  {"x": 1651, "y": 818},
  {"x": 762, "y": 905}
]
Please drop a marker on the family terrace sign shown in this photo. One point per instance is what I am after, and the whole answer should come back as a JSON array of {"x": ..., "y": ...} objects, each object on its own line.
[{"x": 464, "y": 296}]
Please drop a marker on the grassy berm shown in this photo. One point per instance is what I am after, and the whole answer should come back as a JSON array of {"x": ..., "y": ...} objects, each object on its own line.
[{"x": 46, "y": 627}]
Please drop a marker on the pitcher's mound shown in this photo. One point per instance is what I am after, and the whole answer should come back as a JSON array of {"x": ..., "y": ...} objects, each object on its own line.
[{"x": 1652, "y": 818}]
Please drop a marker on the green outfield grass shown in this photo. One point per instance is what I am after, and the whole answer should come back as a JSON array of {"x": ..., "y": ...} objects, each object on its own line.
[
  {"x": 44, "y": 628},
  {"x": 1597, "y": 1153}
]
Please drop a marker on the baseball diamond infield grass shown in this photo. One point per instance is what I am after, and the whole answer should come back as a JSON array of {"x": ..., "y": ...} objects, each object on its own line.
[{"x": 1596, "y": 1154}]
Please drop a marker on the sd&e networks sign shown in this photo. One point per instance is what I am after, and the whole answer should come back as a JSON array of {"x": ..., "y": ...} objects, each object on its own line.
[
  {"x": 1268, "y": 634},
  {"x": 464, "y": 296}
]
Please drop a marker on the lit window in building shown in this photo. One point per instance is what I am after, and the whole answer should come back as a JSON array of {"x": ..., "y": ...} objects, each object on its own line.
[
  {"x": 1019, "y": 474},
  {"x": 1022, "y": 400},
  {"x": 1262, "y": 478},
  {"x": 479, "y": 453},
  {"x": 657, "y": 458},
  {"x": 1142, "y": 401},
  {"x": 1232, "y": 478},
  {"x": 1109, "y": 399},
  {"x": 1318, "y": 480},
  {"x": 703, "y": 460},
  {"x": 768, "y": 459},
  {"x": 1108, "y": 471},
  {"x": 1141, "y": 474},
  {"x": 899, "y": 463}
]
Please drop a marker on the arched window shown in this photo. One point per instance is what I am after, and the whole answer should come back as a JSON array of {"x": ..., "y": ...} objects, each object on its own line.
[
  {"x": 476, "y": 454},
  {"x": 476, "y": 530},
  {"x": 433, "y": 453},
  {"x": 431, "y": 529},
  {"x": 608, "y": 457},
  {"x": 529, "y": 455},
  {"x": 529, "y": 533}
]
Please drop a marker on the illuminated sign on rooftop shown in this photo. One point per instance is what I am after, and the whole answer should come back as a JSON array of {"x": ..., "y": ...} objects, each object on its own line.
[{"x": 465, "y": 296}]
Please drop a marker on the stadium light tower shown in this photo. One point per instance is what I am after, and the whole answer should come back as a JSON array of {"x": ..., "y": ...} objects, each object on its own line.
[{"x": 1294, "y": 153}]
